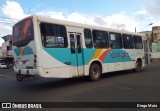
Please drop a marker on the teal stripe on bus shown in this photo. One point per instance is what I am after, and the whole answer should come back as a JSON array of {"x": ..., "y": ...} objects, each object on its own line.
[{"x": 64, "y": 55}]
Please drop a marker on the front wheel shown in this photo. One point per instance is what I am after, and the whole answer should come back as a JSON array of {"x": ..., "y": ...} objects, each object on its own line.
[
  {"x": 138, "y": 67},
  {"x": 95, "y": 72}
]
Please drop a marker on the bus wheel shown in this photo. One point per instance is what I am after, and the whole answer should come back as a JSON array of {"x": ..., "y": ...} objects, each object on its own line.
[
  {"x": 95, "y": 72},
  {"x": 19, "y": 77},
  {"x": 138, "y": 67}
]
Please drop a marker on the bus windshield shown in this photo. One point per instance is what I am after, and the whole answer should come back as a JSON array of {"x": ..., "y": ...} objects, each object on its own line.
[{"x": 23, "y": 33}]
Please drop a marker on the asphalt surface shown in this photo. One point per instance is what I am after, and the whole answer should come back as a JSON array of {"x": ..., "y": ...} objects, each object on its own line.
[{"x": 122, "y": 86}]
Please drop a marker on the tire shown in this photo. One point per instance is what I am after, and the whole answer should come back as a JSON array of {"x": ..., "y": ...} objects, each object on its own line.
[
  {"x": 95, "y": 72},
  {"x": 36, "y": 76},
  {"x": 138, "y": 67},
  {"x": 19, "y": 77}
]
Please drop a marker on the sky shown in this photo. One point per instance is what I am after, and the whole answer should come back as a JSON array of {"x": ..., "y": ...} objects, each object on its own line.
[{"x": 118, "y": 14}]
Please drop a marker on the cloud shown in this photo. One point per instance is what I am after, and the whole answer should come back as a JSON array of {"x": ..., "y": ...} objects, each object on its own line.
[
  {"x": 153, "y": 7},
  {"x": 13, "y": 10},
  {"x": 76, "y": 17},
  {"x": 85, "y": 19},
  {"x": 121, "y": 21},
  {"x": 5, "y": 30},
  {"x": 100, "y": 21},
  {"x": 51, "y": 14},
  {"x": 149, "y": 12},
  {"x": 141, "y": 15},
  {"x": 153, "y": 10},
  {"x": 118, "y": 21}
]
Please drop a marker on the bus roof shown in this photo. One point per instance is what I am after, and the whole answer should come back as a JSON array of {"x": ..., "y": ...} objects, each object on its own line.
[{"x": 80, "y": 25}]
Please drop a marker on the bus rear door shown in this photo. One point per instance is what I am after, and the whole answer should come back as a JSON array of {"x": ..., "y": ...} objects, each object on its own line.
[{"x": 77, "y": 68}]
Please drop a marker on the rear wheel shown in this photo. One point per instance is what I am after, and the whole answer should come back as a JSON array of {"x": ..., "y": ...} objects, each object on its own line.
[
  {"x": 138, "y": 67},
  {"x": 19, "y": 77},
  {"x": 95, "y": 72}
]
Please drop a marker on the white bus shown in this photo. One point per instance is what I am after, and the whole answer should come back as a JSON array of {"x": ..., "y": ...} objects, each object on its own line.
[{"x": 60, "y": 49}]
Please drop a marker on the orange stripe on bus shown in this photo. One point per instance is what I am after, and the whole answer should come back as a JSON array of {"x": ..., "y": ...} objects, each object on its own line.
[
  {"x": 96, "y": 55},
  {"x": 102, "y": 57},
  {"x": 22, "y": 51}
]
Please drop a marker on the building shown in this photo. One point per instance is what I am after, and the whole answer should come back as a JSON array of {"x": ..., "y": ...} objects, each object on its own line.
[
  {"x": 7, "y": 52},
  {"x": 148, "y": 34},
  {"x": 156, "y": 34},
  {"x": 153, "y": 37}
]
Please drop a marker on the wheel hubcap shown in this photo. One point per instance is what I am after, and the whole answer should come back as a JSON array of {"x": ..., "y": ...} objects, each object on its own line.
[{"x": 95, "y": 73}]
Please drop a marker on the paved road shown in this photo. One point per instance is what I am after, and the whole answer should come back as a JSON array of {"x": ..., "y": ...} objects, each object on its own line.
[{"x": 124, "y": 86}]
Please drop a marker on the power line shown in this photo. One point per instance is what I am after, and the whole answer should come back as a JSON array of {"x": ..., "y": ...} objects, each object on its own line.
[
  {"x": 8, "y": 18},
  {"x": 6, "y": 22}
]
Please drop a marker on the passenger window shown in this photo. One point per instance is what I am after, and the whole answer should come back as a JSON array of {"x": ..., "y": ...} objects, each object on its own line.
[
  {"x": 115, "y": 40},
  {"x": 138, "y": 42},
  {"x": 88, "y": 38},
  {"x": 128, "y": 42},
  {"x": 100, "y": 39},
  {"x": 72, "y": 43},
  {"x": 53, "y": 35}
]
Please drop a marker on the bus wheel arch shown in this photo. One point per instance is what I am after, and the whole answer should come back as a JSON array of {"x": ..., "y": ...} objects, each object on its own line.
[
  {"x": 95, "y": 71},
  {"x": 138, "y": 65}
]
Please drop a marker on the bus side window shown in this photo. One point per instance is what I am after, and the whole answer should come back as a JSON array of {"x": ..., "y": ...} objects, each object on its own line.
[
  {"x": 72, "y": 43},
  {"x": 79, "y": 43},
  {"x": 88, "y": 38},
  {"x": 115, "y": 40},
  {"x": 138, "y": 42},
  {"x": 53, "y": 35},
  {"x": 128, "y": 42},
  {"x": 100, "y": 39}
]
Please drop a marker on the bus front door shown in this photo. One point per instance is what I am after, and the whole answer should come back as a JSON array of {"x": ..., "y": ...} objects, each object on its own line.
[{"x": 76, "y": 55}]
